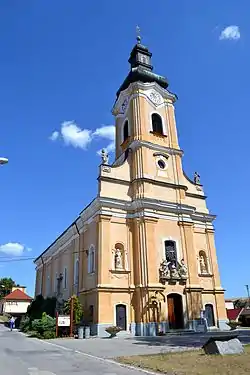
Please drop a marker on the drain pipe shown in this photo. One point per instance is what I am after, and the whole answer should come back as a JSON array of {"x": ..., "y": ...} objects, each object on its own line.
[{"x": 78, "y": 273}]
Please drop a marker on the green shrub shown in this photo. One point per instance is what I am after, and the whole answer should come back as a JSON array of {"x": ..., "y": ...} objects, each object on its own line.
[
  {"x": 49, "y": 335},
  {"x": 46, "y": 323},
  {"x": 40, "y": 305},
  {"x": 25, "y": 324}
]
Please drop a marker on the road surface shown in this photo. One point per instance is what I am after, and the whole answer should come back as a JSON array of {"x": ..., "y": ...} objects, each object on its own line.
[{"x": 20, "y": 355}]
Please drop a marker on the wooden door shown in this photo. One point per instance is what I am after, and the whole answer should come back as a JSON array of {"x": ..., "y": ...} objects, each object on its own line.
[
  {"x": 121, "y": 317},
  {"x": 171, "y": 314}
]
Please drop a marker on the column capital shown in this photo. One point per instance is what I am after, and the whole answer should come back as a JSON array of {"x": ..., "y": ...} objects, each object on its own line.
[
  {"x": 209, "y": 230},
  {"x": 185, "y": 223},
  {"x": 149, "y": 219},
  {"x": 103, "y": 217}
]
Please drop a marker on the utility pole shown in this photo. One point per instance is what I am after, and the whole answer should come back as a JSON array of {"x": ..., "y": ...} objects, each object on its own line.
[
  {"x": 248, "y": 295},
  {"x": 71, "y": 316}
]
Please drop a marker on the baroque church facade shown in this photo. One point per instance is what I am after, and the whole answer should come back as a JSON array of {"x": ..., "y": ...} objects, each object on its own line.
[{"x": 142, "y": 254}]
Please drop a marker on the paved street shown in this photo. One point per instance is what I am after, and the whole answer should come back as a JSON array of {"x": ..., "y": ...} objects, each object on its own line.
[
  {"x": 126, "y": 346},
  {"x": 20, "y": 355}
]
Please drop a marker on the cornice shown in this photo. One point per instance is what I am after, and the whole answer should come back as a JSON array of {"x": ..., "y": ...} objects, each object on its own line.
[
  {"x": 137, "y": 89},
  {"x": 139, "y": 208},
  {"x": 198, "y": 196},
  {"x": 135, "y": 144}
]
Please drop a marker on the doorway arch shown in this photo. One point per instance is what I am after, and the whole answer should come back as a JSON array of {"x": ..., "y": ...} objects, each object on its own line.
[
  {"x": 121, "y": 316},
  {"x": 175, "y": 311},
  {"x": 209, "y": 315}
]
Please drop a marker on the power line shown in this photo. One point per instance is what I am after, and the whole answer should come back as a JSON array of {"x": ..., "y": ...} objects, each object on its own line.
[{"x": 5, "y": 259}]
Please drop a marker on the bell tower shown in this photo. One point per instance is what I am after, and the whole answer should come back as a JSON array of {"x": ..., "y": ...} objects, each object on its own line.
[{"x": 145, "y": 122}]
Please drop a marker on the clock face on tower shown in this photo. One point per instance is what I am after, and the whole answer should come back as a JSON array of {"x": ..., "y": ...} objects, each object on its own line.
[{"x": 143, "y": 58}]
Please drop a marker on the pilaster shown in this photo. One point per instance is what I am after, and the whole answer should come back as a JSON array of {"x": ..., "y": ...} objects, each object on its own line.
[
  {"x": 103, "y": 249},
  {"x": 193, "y": 289},
  {"x": 213, "y": 257}
]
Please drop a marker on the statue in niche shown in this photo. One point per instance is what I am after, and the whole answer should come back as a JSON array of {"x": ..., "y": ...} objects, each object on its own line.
[
  {"x": 104, "y": 156},
  {"x": 118, "y": 259},
  {"x": 203, "y": 263},
  {"x": 183, "y": 270},
  {"x": 197, "y": 178}
]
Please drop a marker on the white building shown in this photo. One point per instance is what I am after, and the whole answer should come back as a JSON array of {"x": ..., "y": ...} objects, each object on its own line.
[{"x": 16, "y": 303}]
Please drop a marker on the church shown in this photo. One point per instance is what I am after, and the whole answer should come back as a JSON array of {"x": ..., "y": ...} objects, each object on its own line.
[{"x": 141, "y": 255}]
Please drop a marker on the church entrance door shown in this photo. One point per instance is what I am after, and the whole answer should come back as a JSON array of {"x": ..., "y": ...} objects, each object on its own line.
[
  {"x": 121, "y": 316},
  {"x": 209, "y": 315},
  {"x": 175, "y": 311}
]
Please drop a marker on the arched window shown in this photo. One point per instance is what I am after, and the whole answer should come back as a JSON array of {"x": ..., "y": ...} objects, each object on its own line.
[
  {"x": 55, "y": 283},
  {"x": 157, "y": 123},
  {"x": 125, "y": 131},
  {"x": 65, "y": 278},
  {"x": 48, "y": 285},
  {"x": 203, "y": 262},
  {"x": 76, "y": 272},
  {"x": 170, "y": 252},
  {"x": 91, "y": 260}
]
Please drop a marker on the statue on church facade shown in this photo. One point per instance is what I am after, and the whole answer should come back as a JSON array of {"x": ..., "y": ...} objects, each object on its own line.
[
  {"x": 104, "y": 156},
  {"x": 169, "y": 271},
  {"x": 197, "y": 178},
  {"x": 183, "y": 270},
  {"x": 118, "y": 259},
  {"x": 173, "y": 271},
  {"x": 203, "y": 263},
  {"x": 164, "y": 271}
]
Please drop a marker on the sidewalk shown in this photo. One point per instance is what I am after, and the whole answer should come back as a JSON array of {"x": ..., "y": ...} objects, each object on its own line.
[{"x": 120, "y": 346}]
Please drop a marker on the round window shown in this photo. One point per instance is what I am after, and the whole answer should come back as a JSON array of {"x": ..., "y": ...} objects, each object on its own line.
[{"x": 161, "y": 164}]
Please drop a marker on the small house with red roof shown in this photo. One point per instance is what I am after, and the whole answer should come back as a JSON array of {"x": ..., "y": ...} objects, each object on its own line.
[{"x": 15, "y": 303}]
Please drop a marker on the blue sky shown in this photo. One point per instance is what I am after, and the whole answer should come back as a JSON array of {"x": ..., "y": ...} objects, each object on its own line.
[{"x": 63, "y": 61}]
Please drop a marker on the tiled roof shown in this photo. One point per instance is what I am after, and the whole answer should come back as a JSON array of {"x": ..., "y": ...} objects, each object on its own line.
[
  {"x": 233, "y": 314},
  {"x": 17, "y": 295}
]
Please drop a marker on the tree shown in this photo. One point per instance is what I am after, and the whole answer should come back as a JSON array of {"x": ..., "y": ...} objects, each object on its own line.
[
  {"x": 41, "y": 305},
  {"x": 6, "y": 285},
  {"x": 77, "y": 309}
]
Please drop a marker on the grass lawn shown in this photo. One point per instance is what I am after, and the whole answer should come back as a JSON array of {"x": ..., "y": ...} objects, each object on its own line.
[{"x": 193, "y": 363}]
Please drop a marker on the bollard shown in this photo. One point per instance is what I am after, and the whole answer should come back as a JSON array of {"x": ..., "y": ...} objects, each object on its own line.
[
  {"x": 87, "y": 332},
  {"x": 80, "y": 333}
]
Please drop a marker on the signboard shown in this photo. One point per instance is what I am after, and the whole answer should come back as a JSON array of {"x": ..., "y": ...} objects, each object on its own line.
[{"x": 63, "y": 321}]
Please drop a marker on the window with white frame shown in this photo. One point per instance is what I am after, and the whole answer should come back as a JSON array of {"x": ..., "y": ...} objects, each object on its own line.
[
  {"x": 91, "y": 260},
  {"x": 65, "y": 278},
  {"x": 48, "y": 285},
  {"x": 170, "y": 252},
  {"x": 55, "y": 282}
]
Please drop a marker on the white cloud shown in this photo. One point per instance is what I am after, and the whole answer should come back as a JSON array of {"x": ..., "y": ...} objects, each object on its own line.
[
  {"x": 54, "y": 136},
  {"x": 73, "y": 135},
  {"x": 107, "y": 132},
  {"x": 12, "y": 248},
  {"x": 230, "y": 32}
]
